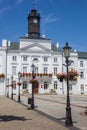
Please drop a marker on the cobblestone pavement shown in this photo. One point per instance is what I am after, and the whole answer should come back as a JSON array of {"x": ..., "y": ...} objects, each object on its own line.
[
  {"x": 55, "y": 106},
  {"x": 15, "y": 116}
]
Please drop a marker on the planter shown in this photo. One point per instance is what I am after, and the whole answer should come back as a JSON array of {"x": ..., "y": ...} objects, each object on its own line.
[
  {"x": 61, "y": 79},
  {"x": 71, "y": 77},
  {"x": 33, "y": 81},
  {"x": 7, "y": 85},
  {"x": 61, "y": 76},
  {"x": 19, "y": 83}
]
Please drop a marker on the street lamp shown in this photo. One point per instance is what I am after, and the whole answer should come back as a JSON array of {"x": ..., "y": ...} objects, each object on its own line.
[
  {"x": 11, "y": 87},
  {"x": 7, "y": 87},
  {"x": 19, "y": 84},
  {"x": 68, "y": 120},
  {"x": 33, "y": 77}
]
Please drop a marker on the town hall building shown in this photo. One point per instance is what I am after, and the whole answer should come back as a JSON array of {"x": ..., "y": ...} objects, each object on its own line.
[{"x": 47, "y": 58}]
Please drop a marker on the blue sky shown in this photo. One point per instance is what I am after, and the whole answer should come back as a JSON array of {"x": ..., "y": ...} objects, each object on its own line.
[{"x": 61, "y": 20}]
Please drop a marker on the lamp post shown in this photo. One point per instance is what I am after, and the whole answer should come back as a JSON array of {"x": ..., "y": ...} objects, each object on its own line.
[
  {"x": 33, "y": 77},
  {"x": 19, "y": 84},
  {"x": 68, "y": 120},
  {"x": 7, "y": 87},
  {"x": 11, "y": 87}
]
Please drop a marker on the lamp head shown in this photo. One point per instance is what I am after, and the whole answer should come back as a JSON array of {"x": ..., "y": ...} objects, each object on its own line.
[
  {"x": 11, "y": 78},
  {"x": 67, "y": 50},
  {"x": 33, "y": 67},
  {"x": 19, "y": 74}
]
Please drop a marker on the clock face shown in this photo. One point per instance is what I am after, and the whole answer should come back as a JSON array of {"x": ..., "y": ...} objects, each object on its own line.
[{"x": 35, "y": 21}]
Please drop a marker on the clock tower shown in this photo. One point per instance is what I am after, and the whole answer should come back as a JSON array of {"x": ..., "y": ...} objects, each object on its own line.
[{"x": 34, "y": 24}]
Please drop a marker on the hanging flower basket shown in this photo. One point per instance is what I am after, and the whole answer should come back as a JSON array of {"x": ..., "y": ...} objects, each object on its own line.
[
  {"x": 50, "y": 75},
  {"x": 61, "y": 76},
  {"x": 38, "y": 74},
  {"x": 2, "y": 76},
  {"x": 7, "y": 85},
  {"x": 61, "y": 79},
  {"x": 19, "y": 83},
  {"x": 33, "y": 80},
  {"x": 11, "y": 85},
  {"x": 71, "y": 77},
  {"x": 73, "y": 74},
  {"x": 41, "y": 74},
  {"x": 75, "y": 78}
]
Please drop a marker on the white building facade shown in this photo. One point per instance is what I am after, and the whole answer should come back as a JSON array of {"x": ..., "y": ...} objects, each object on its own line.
[{"x": 47, "y": 58}]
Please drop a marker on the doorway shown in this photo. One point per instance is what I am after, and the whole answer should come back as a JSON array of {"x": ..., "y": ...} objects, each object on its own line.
[{"x": 36, "y": 87}]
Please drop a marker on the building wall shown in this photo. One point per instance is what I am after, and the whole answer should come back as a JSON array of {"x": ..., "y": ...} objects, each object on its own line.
[{"x": 36, "y": 54}]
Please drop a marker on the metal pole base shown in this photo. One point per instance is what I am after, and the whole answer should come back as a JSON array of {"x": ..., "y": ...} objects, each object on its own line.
[
  {"x": 18, "y": 98},
  {"x": 32, "y": 104},
  {"x": 8, "y": 95},
  {"x": 12, "y": 96},
  {"x": 68, "y": 121}
]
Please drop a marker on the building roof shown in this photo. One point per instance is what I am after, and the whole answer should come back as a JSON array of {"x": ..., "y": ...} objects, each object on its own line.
[
  {"x": 54, "y": 48},
  {"x": 82, "y": 55},
  {"x": 14, "y": 46}
]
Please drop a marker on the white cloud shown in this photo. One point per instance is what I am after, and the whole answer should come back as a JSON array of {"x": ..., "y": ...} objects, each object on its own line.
[{"x": 50, "y": 19}]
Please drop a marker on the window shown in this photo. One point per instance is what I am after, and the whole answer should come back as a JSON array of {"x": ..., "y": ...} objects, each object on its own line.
[
  {"x": 55, "y": 85},
  {"x": 14, "y": 58},
  {"x": 55, "y": 59},
  {"x": 24, "y": 85},
  {"x": 82, "y": 87},
  {"x": 45, "y": 69},
  {"x": 25, "y": 58},
  {"x": 45, "y": 59},
  {"x": 35, "y": 59},
  {"x": 14, "y": 84},
  {"x": 55, "y": 70},
  {"x": 14, "y": 70},
  {"x": 70, "y": 87},
  {"x": 81, "y": 63},
  {"x": 81, "y": 74},
  {"x": 36, "y": 69},
  {"x": 24, "y": 69},
  {"x": 45, "y": 85}
]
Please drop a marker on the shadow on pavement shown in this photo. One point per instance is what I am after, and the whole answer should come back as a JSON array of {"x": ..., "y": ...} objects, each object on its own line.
[{"x": 11, "y": 117}]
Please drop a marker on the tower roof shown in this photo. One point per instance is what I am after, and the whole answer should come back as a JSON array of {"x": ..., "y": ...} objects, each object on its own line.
[{"x": 34, "y": 13}]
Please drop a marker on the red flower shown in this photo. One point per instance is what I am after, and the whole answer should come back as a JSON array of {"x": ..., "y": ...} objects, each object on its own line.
[
  {"x": 61, "y": 76},
  {"x": 19, "y": 83},
  {"x": 73, "y": 72},
  {"x": 2, "y": 76},
  {"x": 7, "y": 85},
  {"x": 33, "y": 80}
]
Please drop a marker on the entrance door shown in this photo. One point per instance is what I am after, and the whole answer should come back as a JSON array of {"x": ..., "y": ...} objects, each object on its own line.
[{"x": 35, "y": 87}]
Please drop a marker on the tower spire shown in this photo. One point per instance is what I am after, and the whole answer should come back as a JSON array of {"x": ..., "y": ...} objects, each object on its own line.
[{"x": 34, "y": 5}]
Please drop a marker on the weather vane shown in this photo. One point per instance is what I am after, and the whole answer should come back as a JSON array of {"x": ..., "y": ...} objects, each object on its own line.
[{"x": 34, "y": 5}]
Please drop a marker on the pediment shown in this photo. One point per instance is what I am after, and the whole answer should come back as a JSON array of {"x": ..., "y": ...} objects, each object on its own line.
[{"x": 35, "y": 47}]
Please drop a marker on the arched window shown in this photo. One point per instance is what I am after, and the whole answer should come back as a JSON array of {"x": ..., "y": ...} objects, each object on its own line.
[
  {"x": 24, "y": 85},
  {"x": 45, "y": 85},
  {"x": 35, "y": 59},
  {"x": 55, "y": 85}
]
